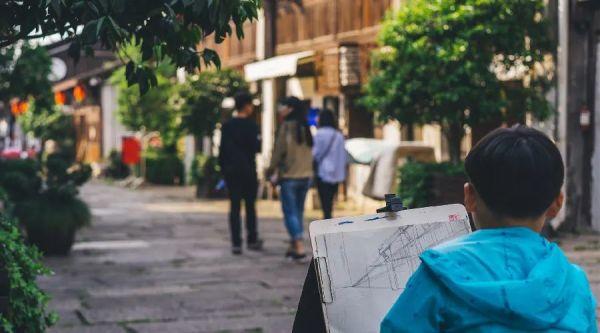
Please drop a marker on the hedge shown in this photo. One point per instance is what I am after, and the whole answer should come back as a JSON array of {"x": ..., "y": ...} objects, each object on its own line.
[
  {"x": 416, "y": 181},
  {"x": 164, "y": 168}
]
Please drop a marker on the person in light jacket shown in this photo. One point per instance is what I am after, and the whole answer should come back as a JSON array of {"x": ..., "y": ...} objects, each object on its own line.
[
  {"x": 291, "y": 162},
  {"x": 329, "y": 155}
]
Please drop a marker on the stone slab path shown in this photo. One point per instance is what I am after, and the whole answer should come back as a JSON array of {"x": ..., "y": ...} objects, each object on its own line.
[{"x": 156, "y": 260}]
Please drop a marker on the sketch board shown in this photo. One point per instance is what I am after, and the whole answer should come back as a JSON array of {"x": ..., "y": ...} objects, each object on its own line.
[{"x": 364, "y": 262}]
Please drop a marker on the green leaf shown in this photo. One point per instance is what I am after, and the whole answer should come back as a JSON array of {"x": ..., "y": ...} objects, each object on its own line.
[
  {"x": 170, "y": 11},
  {"x": 89, "y": 32},
  {"x": 93, "y": 7},
  {"x": 56, "y": 6},
  {"x": 103, "y": 4},
  {"x": 129, "y": 69},
  {"x": 118, "y": 6},
  {"x": 99, "y": 25}
]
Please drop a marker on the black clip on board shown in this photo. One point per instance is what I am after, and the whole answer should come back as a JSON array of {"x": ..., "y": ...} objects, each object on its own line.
[{"x": 393, "y": 203}]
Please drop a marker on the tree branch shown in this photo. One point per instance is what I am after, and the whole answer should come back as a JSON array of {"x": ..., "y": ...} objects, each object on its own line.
[{"x": 22, "y": 36}]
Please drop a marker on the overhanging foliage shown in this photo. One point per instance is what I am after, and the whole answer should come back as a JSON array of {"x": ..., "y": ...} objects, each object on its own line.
[{"x": 167, "y": 28}]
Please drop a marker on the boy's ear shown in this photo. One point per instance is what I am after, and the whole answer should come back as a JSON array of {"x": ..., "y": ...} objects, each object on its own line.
[
  {"x": 470, "y": 198},
  {"x": 555, "y": 206}
]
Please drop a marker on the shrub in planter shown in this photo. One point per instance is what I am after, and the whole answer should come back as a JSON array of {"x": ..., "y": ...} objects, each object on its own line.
[
  {"x": 429, "y": 184},
  {"x": 52, "y": 218},
  {"x": 45, "y": 199},
  {"x": 206, "y": 173},
  {"x": 26, "y": 309},
  {"x": 20, "y": 179},
  {"x": 163, "y": 168},
  {"x": 62, "y": 173},
  {"x": 116, "y": 169}
]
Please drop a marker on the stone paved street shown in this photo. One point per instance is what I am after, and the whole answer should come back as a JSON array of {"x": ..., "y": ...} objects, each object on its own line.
[{"x": 156, "y": 260}]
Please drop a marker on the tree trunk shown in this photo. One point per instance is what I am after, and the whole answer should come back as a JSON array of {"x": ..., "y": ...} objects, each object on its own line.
[
  {"x": 454, "y": 134},
  {"x": 198, "y": 144}
]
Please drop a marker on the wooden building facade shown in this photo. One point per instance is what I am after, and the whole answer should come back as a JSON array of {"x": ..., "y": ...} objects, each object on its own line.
[{"x": 317, "y": 50}]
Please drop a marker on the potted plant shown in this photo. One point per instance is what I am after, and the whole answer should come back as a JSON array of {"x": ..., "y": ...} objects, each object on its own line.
[
  {"x": 51, "y": 220},
  {"x": 44, "y": 197},
  {"x": 52, "y": 217}
]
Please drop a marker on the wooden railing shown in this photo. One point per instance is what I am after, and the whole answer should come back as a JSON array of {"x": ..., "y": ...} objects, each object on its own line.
[{"x": 298, "y": 27}]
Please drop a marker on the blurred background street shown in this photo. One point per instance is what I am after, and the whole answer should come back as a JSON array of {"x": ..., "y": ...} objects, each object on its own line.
[
  {"x": 156, "y": 261},
  {"x": 129, "y": 128}
]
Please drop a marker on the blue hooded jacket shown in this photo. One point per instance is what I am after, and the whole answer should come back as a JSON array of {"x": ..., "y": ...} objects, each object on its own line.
[{"x": 495, "y": 280}]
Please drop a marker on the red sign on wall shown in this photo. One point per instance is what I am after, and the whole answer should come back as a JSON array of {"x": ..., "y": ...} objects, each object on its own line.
[{"x": 131, "y": 150}]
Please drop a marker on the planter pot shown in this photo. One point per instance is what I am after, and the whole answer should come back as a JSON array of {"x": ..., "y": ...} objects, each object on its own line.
[{"x": 52, "y": 241}]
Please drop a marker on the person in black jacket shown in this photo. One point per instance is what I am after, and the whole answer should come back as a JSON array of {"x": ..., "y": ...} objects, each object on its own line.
[{"x": 240, "y": 142}]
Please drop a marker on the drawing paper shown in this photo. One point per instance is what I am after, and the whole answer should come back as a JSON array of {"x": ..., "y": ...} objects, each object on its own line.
[{"x": 364, "y": 262}]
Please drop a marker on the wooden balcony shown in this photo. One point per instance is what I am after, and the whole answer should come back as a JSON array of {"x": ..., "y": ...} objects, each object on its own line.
[
  {"x": 321, "y": 24},
  {"x": 315, "y": 25}
]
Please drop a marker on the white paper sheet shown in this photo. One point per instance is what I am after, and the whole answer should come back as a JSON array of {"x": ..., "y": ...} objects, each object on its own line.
[{"x": 364, "y": 262}]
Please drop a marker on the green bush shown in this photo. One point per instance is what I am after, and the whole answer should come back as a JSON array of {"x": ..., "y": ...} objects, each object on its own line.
[
  {"x": 62, "y": 172},
  {"x": 4, "y": 201},
  {"x": 163, "y": 168},
  {"x": 53, "y": 210},
  {"x": 44, "y": 199},
  {"x": 205, "y": 168},
  {"x": 20, "y": 179},
  {"x": 415, "y": 185},
  {"x": 52, "y": 218},
  {"x": 27, "y": 302},
  {"x": 116, "y": 169},
  {"x": 206, "y": 174}
]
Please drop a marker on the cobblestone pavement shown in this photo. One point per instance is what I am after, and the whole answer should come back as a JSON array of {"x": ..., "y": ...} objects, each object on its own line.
[{"x": 156, "y": 260}]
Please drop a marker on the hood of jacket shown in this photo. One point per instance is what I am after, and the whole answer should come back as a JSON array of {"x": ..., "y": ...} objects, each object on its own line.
[{"x": 511, "y": 275}]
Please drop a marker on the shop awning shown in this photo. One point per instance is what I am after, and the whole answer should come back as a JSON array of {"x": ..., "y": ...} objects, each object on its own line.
[{"x": 285, "y": 65}]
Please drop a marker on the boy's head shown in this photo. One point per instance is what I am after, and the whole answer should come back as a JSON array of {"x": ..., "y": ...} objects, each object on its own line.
[
  {"x": 243, "y": 104},
  {"x": 515, "y": 178}
]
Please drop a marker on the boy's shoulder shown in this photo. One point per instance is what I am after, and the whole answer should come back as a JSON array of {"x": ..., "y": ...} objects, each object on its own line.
[
  {"x": 493, "y": 243},
  {"x": 485, "y": 237}
]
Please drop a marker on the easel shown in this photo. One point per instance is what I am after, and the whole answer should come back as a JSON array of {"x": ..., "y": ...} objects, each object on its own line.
[{"x": 309, "y": 317}]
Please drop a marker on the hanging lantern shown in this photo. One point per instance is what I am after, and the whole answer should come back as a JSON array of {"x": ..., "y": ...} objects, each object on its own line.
[
  {"x": 14, "y": 107},
  {"x": 60, "y": 98},
  {"x": 79, "y": 93},
  {"x": 17, "y": 107},
  {"x": 23, "y": 107}
]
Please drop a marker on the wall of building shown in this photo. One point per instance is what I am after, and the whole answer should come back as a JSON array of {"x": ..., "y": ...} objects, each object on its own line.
[
  {"x": 595, "y": 207},
  {"x": 112, "y": 129}
]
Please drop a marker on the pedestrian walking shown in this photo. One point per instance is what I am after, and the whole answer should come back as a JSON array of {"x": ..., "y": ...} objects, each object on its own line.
[
  {"x": 240, "y": 142},
  {"x": 291, "y": 164},
  {"x": 329, "y": 155}
]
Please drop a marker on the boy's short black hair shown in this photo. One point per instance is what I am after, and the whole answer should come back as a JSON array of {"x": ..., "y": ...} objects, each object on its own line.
[
  {"x": 242, "y": 99},
  {"x": 516, "y": 171}
]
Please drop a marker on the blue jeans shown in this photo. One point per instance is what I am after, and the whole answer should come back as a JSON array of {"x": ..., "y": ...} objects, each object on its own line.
[{"x": 293, "y": 194}]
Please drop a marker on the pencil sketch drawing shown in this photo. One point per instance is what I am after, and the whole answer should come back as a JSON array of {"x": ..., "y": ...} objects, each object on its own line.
[{"x": 398, "y": 256}]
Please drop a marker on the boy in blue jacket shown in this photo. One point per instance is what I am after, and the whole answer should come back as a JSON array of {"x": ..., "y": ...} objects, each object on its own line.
[{"x": 505, "y": 277}]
